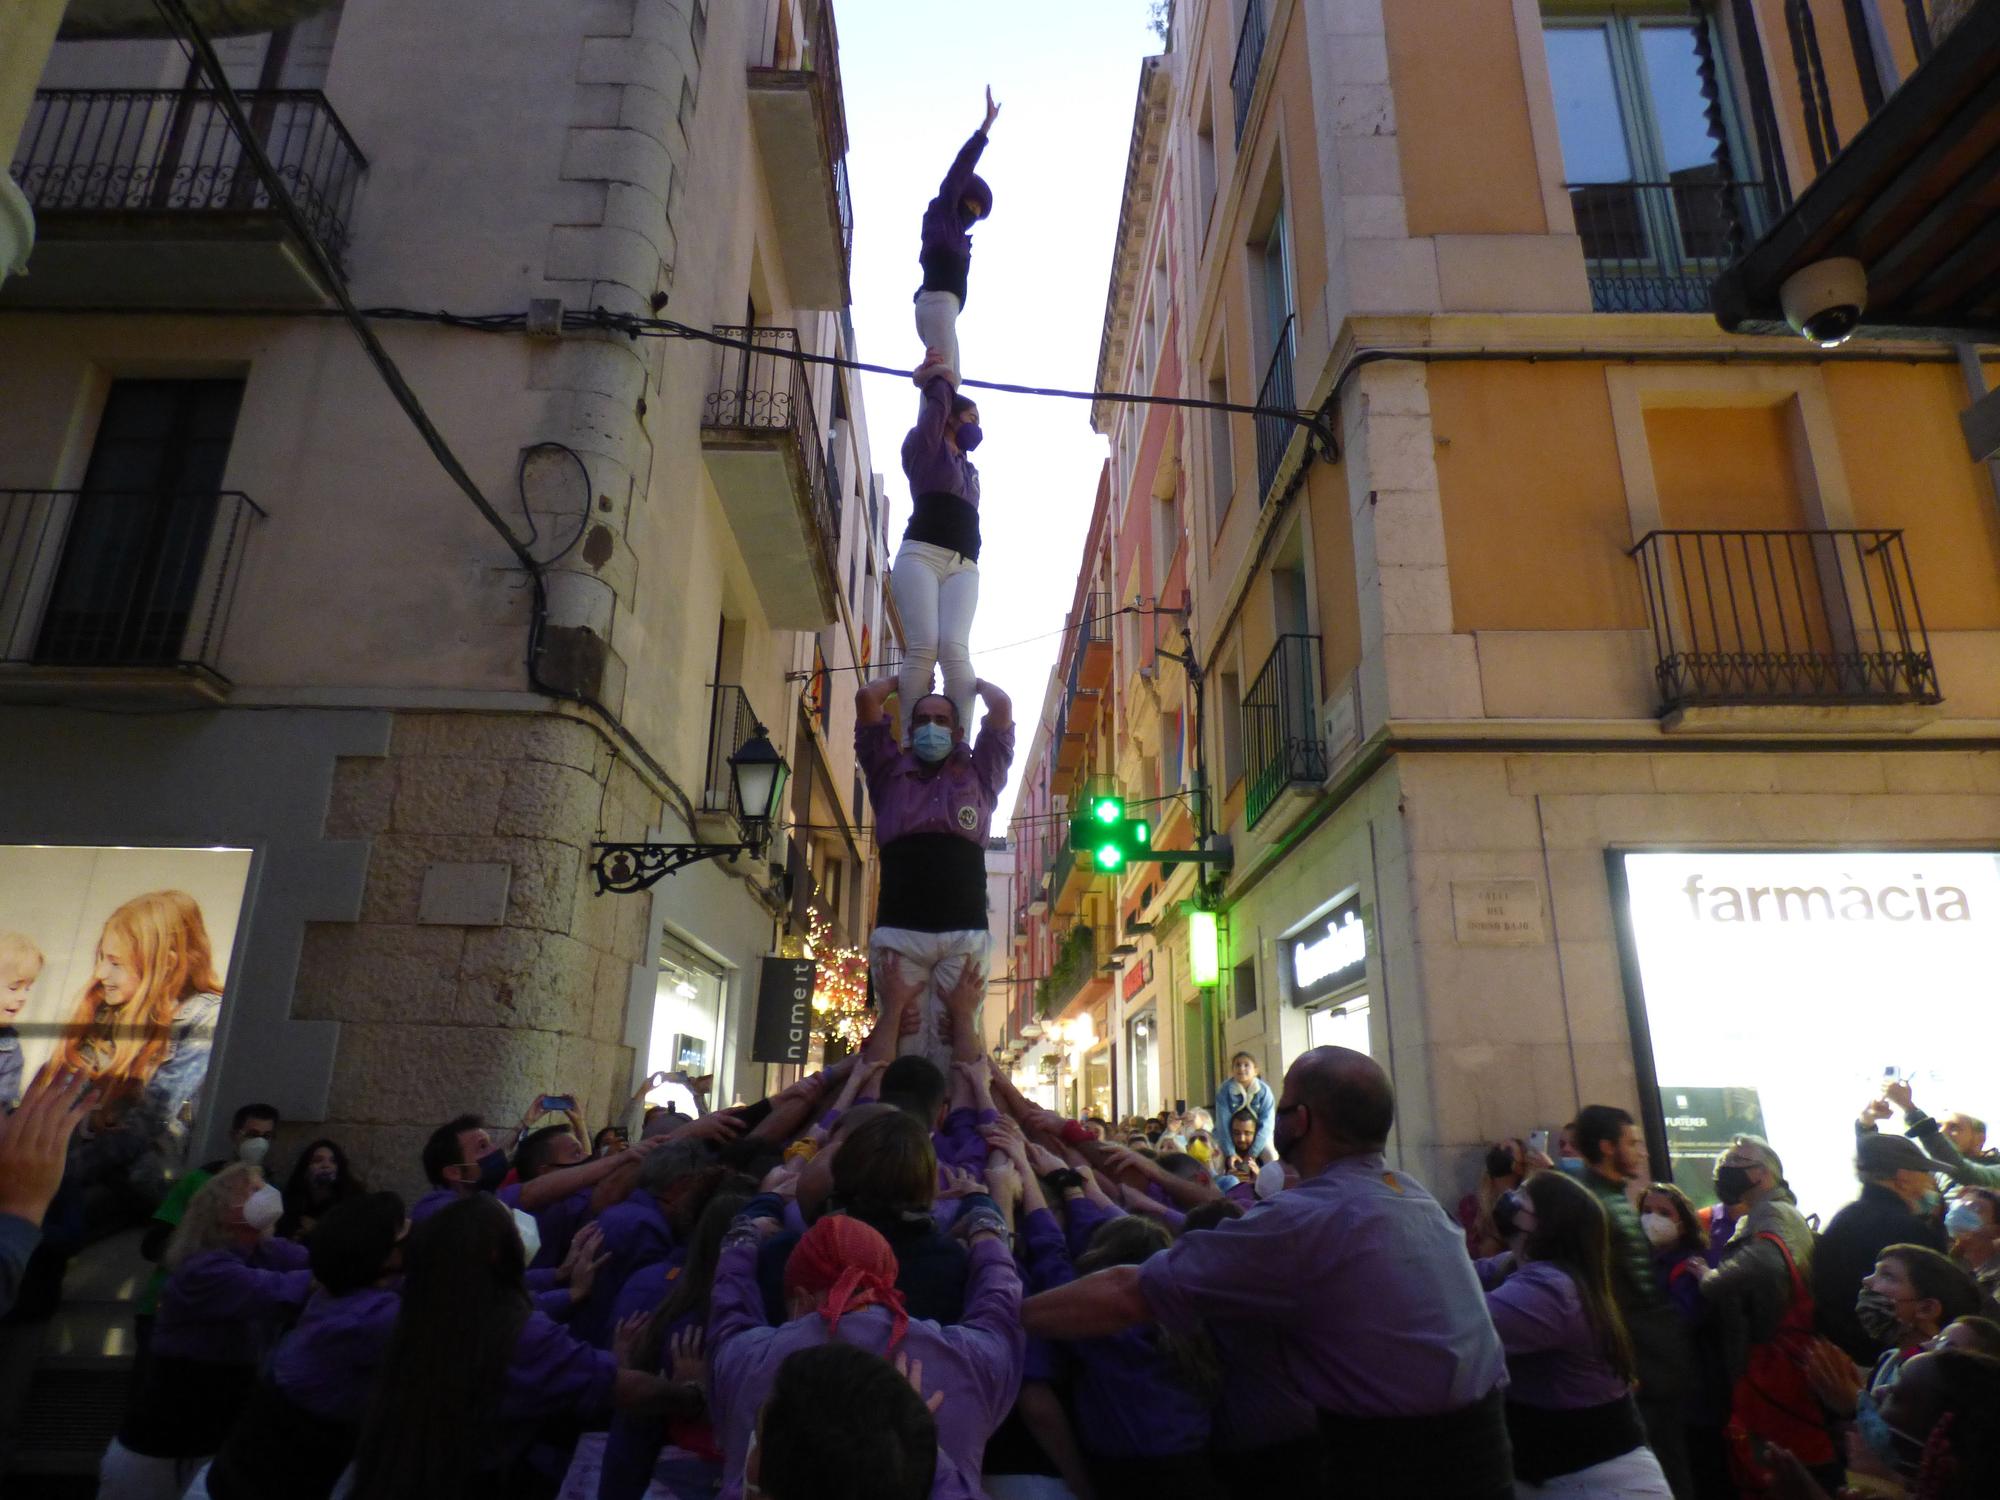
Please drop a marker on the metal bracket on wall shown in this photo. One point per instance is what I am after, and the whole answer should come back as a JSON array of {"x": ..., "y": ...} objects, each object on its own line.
[{"x": 625, "y": 868}]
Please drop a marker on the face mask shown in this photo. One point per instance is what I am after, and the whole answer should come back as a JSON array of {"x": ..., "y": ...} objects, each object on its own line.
[
  {"x": 492, "y": 1171},
  {"x": 932, "y": 742},
  {"x": 1963, "y": 1218},
  {"x": 969, "y": 436},
  {"x": 263, "y": 1208},
  {"x": 1270, "y": 1180},
  {"x": 253, "y": 1149},
  {"x": 1512, "y": 1215},
  {"x": 1285, "y": 1139},
  {"x": 1731, "y": 1183},
  {"x": 1876, "y": 1313},
  {"x": 531, "y": 1235},
  {"x": 1499, "y": 1162},
  {"x": 1929, "y": 1203},
  {"x": 1897, "y": 1449},
  {"x": 1661, "y": 1230},
  {"x": 1570, "y": 1164}
]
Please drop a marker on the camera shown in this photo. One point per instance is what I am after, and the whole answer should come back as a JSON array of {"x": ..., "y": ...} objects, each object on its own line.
[{"x": 1825, "y": 300}]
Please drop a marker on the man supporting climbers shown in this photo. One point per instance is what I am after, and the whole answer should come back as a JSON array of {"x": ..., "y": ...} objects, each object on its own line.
[{"x": 934, "y": 807}]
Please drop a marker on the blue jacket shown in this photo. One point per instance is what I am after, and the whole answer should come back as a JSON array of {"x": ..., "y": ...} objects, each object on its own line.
[{"x": 1260, "y": 1101}]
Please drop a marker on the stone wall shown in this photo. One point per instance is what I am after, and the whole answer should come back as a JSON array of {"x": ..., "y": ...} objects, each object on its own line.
[{"x": 438, "y": 1019}]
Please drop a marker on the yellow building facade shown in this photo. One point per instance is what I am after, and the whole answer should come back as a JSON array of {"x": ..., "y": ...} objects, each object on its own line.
[{"x": 1575, "y": 613}]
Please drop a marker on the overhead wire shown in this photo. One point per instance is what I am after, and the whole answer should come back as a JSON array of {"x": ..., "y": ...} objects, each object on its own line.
[{"x": 1128, "y": 609}]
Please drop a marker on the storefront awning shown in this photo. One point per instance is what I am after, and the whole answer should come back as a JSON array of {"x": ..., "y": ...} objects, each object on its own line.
[{"x": 1915, "y": 197}]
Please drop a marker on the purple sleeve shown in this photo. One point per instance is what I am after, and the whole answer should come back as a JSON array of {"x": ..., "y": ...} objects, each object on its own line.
[
  {"x": 989, "y": 1337},
  {"x": 933, "y": 407},
  {"x": 1531, "y": 1314},
  {"x": 1244, "y": 1268},
  {"x": 1044, "y": 1252},
  {"x": 958, "y": 1142},
  {"x": 1082, "y": 1217},
  {"x": 543, "y": 1280},
  {"x": 555, "y": 1304},
  {"x": 735, "y": 1305},
  {"x": 992, "y": 754},
  {"x": 795, "y": 1219},
  {"x": 875, "y": 748},
  {"x": 960, "y": 172},
  {"x": 1493, "y": 1269},
  {"x": 550, "y": 1369},
  {"x": 282, "y": 1255},
  {"x": 230, "y": 1288}
]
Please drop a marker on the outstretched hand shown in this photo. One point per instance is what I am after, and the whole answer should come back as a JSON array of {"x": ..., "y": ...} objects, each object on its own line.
[
  {"x": 34, "y": 1140},
  {"x": 992, "y": 109}
]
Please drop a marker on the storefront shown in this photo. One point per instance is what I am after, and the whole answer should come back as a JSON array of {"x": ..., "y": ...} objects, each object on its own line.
[
  {"x": 1772, "y": 993},
  {"x": 1143, "y": 1042},
  {"x": 1327, "y": 963},
  {"x": 689, "y": 1009}
]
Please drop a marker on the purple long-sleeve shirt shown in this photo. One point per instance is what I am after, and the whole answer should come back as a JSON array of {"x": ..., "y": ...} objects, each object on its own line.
[
  {"x": 1130, "y": 1402},
  {"x": 636, "y": 1234},
  {"x": 558, "y": 1221},
  {"x": 226, "y": 1305},
  {"x": 931, "y": 461},
  {"x": 944, "y": 233},
  {"x": 1554, "y": 1358},
  {"x": 552, "y": 1371},
  {"x": 327, "y": 1363},
  {"x": 955, "y": 797},
  {"x": 431, "y": 1202},
  {"x": 976, "y": 1363},
  {"x": 1364, "y": 1279}
]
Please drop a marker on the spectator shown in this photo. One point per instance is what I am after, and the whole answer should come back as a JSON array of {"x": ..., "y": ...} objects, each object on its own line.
[
  {"x": 1760, "y": 1301},
  {"x": 1680, "y": 1247},
  {"x": 1932, "y": 1438},
  {"x": 1975, "y": 1335},
  {"x": 296, "y": 1434},
  {"x": 1574, "y": 1426},
  {"x": 471, "y": 1368},
  {"x": 34, "y": 1142},
  {"x": 1501, "y": 1171},
  {"x": 1898, "y": 1205},
  {"x": 1973, "y": 1168},
  {"x": 229, "y": 1286},
  {"x": 610, "y": 1140},
  {"x": 460, "y": 1159},
  {"x": 1973, "y": 1223},
  {"x": 251, "y": 1130},
  {"x": 1366, "y": 1310},
  {"x": 1243, "y": 1089},
  {"x": 320, "y": 1181},
  {"x": 1614, "y": 1154}
]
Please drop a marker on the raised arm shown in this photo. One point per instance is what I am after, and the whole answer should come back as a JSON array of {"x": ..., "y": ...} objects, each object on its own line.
[
  {"x": 871, "y": 702},
  {"x": 1092, "y": 1307},
  {"x": 553, "y": 1187},
  {"x": 999, "y": 707}
]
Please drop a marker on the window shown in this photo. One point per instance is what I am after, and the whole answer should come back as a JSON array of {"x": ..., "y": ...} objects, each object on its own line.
[
  {"x": 1166, "y": 537},
  {"x": 1229, "y": 716},
  {"x": 1221, "y": 445},
  {"x": 1204, "y": 168},
  {"x": 1244, "y": 988},
  {"x": 1274, "y": 282},
  {"x": 137, "y": 545},
  {"x": 1646, "y": 177},
  {"x": 1342, "y": 1025}
]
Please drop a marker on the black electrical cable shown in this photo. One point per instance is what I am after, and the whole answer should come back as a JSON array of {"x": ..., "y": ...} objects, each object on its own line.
[{"x": 1046, "y": 635}]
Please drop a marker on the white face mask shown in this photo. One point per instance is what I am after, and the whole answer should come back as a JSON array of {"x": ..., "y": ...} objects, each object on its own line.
[
  {"x": 1661, "y": 1230},
  {"x": 253, "y": 1149},
  {"x": 531, "y": 1234},
  {"x": 263, "y": 1208},
  {"x": 1270, "y": 1180}
]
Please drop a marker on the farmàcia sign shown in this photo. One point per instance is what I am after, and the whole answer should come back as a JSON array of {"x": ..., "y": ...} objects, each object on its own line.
[{"x": 1910, "y": 900}]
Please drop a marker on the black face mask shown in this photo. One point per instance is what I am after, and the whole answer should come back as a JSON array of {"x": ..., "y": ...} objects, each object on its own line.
[
  {"x": 1731, "y": 1183},
  {"x": 1499, "y": 1162},
  {"x": 492, "y": 1171},
  {"x": 1288, "y": 1143}
]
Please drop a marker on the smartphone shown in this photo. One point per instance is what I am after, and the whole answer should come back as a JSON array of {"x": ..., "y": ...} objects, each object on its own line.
[
  {"x": 1892, "y": 1074},
  {"x": 1538, "y": 1143},
  {"x": 1180, "y": 1106},
  {"x": 555, "y": 1104}
]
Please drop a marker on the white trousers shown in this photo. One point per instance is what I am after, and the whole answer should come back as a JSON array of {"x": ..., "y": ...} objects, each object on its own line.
[
  {"x": 125, "y": 1475},
  {"x": 1630, "y": 1476},
  {"x": 940, "y": 959},
  {"x": 937, "y": 326},
  {"x": 937, "y": 593}
]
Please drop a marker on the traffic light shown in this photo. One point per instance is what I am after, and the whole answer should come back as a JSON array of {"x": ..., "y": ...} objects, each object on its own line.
[{"x": 1111, "y": 839}]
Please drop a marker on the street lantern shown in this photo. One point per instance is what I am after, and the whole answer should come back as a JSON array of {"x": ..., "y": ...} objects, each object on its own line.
[{"x": 757, "y": 774}]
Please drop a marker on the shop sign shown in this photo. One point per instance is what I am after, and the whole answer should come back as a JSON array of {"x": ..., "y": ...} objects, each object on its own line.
[
  {"x": 784, "y": 1009},
  {"x": 1497, "y": 913},
  {"x": 1775, "y": 990},
  {"x": 1331, "y": 955},
  {"x": 1136, "y": 978}
]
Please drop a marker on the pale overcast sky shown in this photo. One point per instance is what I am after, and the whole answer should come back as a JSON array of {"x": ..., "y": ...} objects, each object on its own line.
[{"x": 1066, "y": 74}]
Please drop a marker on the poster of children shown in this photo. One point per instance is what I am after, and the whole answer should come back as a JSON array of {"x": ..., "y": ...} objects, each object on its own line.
[{"x": 116, "y": 961}]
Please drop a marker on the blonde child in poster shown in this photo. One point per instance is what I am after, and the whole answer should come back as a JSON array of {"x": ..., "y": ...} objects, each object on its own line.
[{"x": 20, "y": 966}]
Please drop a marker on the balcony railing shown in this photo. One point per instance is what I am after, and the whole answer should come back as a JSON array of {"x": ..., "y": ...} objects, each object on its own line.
[
  {"x": 1785, "y": 617},
  {"x": 119, "y": 578},
  {"x": 171, "y": 151},
  {"x": 1075, "y": 966},
  {"x": 764, "y": 390},
  {"x": 1093, "y": 628},
  {"x": 1656, "y": 246},
  {"x": 1282, "y": 742},
  {"x": 731, "y": 724},
  {"x": 797, "y": 53},
  {"x": 1274, "y": 433},
  {"x": 1249, "y": 62}
]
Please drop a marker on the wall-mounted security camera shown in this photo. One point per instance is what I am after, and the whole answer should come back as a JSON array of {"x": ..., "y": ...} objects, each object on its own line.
[{"x": 1825, "y": 300}]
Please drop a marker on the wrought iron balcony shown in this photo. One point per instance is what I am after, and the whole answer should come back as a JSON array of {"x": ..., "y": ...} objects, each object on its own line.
[
  {"x": 731, "y": 724},
  {"x": 145, "y": 198},
  {"x": 1657, "y": 246},
  {"x": 126, "y": 591},
  {"x": 800, "y": 118},
  {"x": 1784, "y": 617},
  {"x": 1282, "y": 742},
  {"x": 1249, "y": 61},
  {"x": 762, "y": 443},
  {"x": 1274, "y": 433}
]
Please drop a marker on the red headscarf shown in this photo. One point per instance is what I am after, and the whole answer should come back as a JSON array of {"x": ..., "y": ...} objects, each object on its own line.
[{"x": 853, "y": 1265}]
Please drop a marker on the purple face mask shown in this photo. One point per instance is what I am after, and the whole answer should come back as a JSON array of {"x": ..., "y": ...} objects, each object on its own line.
[{"x": 969, "y": 436}]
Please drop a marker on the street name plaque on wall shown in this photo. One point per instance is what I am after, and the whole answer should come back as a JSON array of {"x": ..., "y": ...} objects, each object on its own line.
[{"x": 1497, "y": 913}]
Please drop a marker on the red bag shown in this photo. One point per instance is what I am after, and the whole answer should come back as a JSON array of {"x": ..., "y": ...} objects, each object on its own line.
[{"x": 1773, "y": 1401}]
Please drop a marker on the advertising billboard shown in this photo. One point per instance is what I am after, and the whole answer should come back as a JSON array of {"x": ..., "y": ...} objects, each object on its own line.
[
  {"x": 1776, "y": 991},
  {"x": 116, "y": 961}
]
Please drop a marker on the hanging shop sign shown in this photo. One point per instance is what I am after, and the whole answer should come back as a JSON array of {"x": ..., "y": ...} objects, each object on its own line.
[
  {"x": 1330, "y": 955},
  {"x": 1136, "y": 978},
  {"x": 784, "y": 1010}
]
